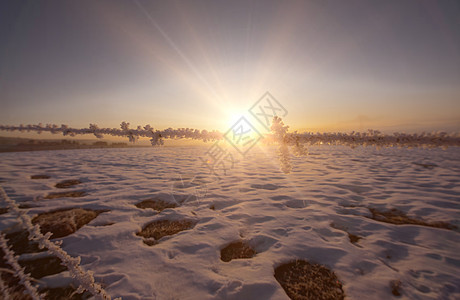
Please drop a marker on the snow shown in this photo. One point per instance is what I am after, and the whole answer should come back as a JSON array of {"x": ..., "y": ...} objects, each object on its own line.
[{"x": 283, "y": 217}]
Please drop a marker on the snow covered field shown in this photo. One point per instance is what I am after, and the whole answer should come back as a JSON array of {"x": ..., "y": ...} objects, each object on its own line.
[{"x": 313, "y": 213}]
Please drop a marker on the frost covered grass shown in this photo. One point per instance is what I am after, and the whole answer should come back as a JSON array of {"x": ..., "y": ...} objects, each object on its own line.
[
  {"x": 237, "y": 250},
  {"x": 154, "y": 231},
  {"x": 84, "y": 278},
  {"x": 70, "y": 194},
  {"x": 394, "y": 216},
  {"x": 303, "y": 280},
  {"x": 156, "y": 204},
  {"x": 67, "y": 183},
  {"x": 39, "y": 177},
  {"x": 279, "y": 134},
  {"x": 24, "y": 278},
  {"x": 63, "y": 222},
  {"x": 44, "y": 266}
]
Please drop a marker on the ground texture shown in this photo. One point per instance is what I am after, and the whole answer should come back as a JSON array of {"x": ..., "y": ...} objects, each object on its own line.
[{"x": 152, "y": 223}]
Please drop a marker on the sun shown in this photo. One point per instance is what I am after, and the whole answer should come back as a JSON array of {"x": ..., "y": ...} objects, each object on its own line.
[
  {"x": 234, "y": 118},
  {"x": 230, "y": 116}
]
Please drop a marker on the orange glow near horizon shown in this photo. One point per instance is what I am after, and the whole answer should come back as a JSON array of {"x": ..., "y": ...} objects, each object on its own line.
[{"x": 205, "y": 68}]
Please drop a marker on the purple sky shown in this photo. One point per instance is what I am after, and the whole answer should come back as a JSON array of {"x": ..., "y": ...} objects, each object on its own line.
[{"x": 334, "y": 65}]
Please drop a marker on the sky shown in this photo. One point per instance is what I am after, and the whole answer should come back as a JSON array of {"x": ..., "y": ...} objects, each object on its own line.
[{"x": 392, "y": 65}]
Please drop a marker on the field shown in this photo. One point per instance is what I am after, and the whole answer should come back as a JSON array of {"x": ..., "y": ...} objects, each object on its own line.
[{"x": 157, "y": 225}]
